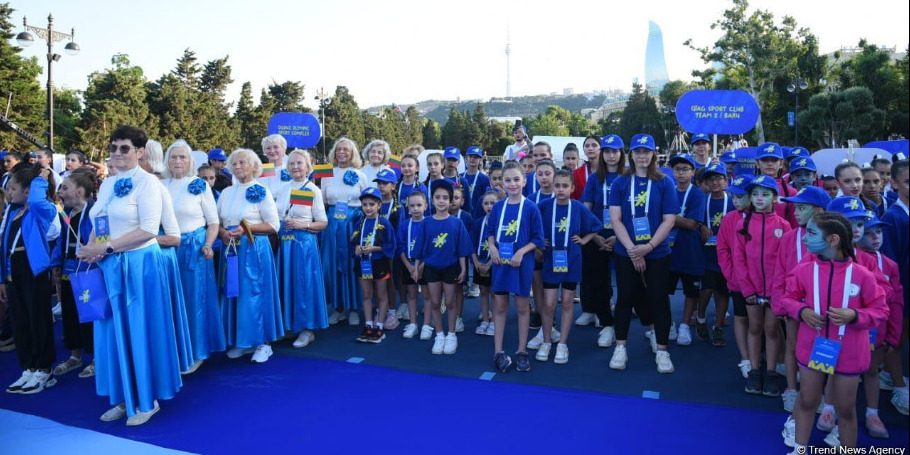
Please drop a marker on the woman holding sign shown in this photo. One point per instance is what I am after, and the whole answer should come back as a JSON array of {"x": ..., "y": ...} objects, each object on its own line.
[
  {"x": 250, "y": 303},
  {"x": 299, "y": 267},
  {"x": 341, "y": 188},
  {"x": 836, "y": 304}
]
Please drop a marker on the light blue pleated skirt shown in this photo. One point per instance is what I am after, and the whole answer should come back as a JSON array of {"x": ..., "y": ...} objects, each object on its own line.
[
  {"x": 253, "y": 318},
  {"x": 341, "y": 285},
  {"x": 301, "y": 282},
  {"x": 200, "y": 292}
]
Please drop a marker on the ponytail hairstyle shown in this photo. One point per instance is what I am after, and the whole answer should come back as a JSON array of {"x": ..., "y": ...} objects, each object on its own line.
[
  {"x": 898, "y": 168},
  {"x": 434, "y": 156},
  {"x": 835, "y": 223},
  {"x": 83, "y": 180},
  {"x": 745, "y": 230}
]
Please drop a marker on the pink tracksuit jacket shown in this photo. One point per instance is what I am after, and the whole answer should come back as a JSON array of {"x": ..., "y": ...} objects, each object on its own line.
[
  {"x": 787, "y": 260},
  {"x": 755, "y": 260},
  {"x": 726, "y": 237},
  {"x": 890, "y": 330}
]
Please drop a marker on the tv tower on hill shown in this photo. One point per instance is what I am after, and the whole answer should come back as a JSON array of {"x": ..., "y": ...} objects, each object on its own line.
[{"x": 508, "y": 66}]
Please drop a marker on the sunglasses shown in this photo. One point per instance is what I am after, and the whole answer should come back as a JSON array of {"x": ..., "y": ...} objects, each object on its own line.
[{"x": 124, "y": 149}]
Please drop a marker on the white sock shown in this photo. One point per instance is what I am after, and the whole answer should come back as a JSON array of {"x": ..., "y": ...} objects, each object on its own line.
[
  {"x": 870, "y": 411},
  {"x": 701, "y": 320},
  {"x": 379, "y": 324}
]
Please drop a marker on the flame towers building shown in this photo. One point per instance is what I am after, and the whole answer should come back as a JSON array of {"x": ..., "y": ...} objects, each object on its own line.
[{"x": 655, "y": 64}]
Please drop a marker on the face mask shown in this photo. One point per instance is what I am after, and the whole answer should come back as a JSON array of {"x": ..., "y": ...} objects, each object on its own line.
[{"x": 815, "y": 241}]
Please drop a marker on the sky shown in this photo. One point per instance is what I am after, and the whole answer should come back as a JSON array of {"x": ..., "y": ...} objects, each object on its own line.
[{"x": 405, "y": 51}]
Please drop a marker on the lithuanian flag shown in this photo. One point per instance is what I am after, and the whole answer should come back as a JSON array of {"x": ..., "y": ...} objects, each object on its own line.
[
  {"x": 245, "y": 226},
  {"x": 268, "y": 170},
  {"x": 302, "y": 197},
  {"x": 323, "y": 171},
  {"x": 395, "y": 161}
]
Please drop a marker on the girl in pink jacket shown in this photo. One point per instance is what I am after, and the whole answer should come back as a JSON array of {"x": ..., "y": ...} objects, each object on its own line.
[
  {"x": 726, "y": 237},
  {"x": 837, "y": 302},
  {"x": 755, "y": 251}
]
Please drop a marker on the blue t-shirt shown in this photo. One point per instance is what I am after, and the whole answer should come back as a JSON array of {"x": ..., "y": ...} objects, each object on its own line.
[
  {"x": 688, "y": 254},
  {"x": 392, "y": 212},
  {"x": 595, "y": 193},
  {"x": 444, "y": 242},
  {"x": 477, "y": 185},
  {"x": 382, "y": 234},
  {"x": 539, "y": 197},
  {"x": 520, "y": 232},
  {"x": 714, "y": 214},
  {"x": 479, "y": 239},
  {"x": 531, "y": 185},
  {"x": 663, "y": 201},
  {"x": 411, "y": 228},
  {"x": 582, "y": 223},
  {"x": 465, "y": 218},
  {"x": 404, "y": 190},
  {"x": 896, "y": 244}
]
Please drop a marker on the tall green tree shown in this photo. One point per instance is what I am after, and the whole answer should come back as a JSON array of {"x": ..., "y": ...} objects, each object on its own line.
[
  {"x": 67, "y": 112},
  {"x": 414, "y": 127},
  {"x": 287, "y": 96},
  {"x": 874, "y": 69},
  {"x": 832, "y": 118},
  {"x": 431, "y": 134},
  {"x": 187, "y": 69},
  {"x": 641, "y": 116},
  {"x": 242, "y": 121},
  {"x": 19, "y": 85},
  {"x": 342, "y": 118},
  {"x": 216, "y": 76}
]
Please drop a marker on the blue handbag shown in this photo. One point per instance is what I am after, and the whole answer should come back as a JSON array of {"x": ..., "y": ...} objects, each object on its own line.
[
  {"x": 231, "y": 273},
  {"x": 92, "y": 302}
]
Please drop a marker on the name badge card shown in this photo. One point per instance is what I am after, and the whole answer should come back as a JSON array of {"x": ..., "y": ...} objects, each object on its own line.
[
  {"x": 824, "y": 355},
  {"x": 712, "y": 241},
  {"x": 506, "y": 251},
  {"x": 642, "y": 229},
  {"x": 608, "y": 223},
  {"x": 102, "y": 228},
  {"x": 341, "y": 211},
  {"x": 873, "y": 335},
  {"x": 560, "y": 261},
  {"x": 366, "y": 269},
  {"x": 672, "y": 236}
]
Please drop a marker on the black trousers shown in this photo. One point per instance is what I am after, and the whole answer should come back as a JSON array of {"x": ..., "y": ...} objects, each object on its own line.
[
  {"x": 646, "y": 293},
  {"x": 75, "y": 334},
  {"x": 596, "y": 283},
  {"x": 33, "y": 319}
]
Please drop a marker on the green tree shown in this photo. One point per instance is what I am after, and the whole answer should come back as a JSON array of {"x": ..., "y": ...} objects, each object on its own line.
[
  {"x": 67, "y": 112},
  {"x": 187, "y": 70},
  {"x": 610, "y": 124},
  {"x": 19, "y": 78},
  {"x": 641, "y": 116},
  {"x": 430, "y": 134},
  {"x": 832, "y": 118},
  {"x": 216, "y": 76},
  {"x": 342, "y": 118},
  {"x": 414, "y": 125},
  {"x": 242, "y": 121},
  {"x": 874, "y": 69},
  {"x": 171, "y": 101},
  {"x": 287, "y": 96}
]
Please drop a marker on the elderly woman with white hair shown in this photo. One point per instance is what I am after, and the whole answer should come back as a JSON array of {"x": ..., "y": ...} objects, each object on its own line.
[
  {"x": 250, "y": 302},
  {"x": 342, "y": 197},
  {"x": 275, "y": 147},
  {"x": 197, "y": 218},
  {"x": 299, "y": 267},
  {"x": 376, "y": 158}
]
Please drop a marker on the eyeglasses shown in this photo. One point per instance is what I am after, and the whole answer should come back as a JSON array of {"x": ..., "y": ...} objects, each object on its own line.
[
  {"x": 123, "y": 148},
  {"x": 681, "y": 169}
]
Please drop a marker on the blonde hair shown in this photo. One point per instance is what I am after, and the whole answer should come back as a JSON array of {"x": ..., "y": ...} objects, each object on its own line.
[
  {"x": 251, "y": 156},
  {"x": 355, "y": 158}
]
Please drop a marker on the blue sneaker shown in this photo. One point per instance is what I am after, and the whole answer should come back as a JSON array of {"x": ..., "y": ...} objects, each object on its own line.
[
  {"x": 502, "y": 361},
  {"x": 522, "y": 362}
]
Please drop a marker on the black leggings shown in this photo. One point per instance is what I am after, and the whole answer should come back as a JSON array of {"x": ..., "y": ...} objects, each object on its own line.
[
  {"x": 33, "y": 319},
  {"x": 76, "y": 335},
  {"x": 650, "y": 302},
  {"x": 596, "y": 286}
]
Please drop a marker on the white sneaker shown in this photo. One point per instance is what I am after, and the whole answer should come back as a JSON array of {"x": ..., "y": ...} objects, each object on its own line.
[
  {"x": 236, "y": 353},
  {"x": 451, "y": 344},
  {"x": 410, "y": 330},
  {"x": 562, "y": 354},
  {"x": 543, "y": 352},
  {"x": 789, "y": 432},
  {"x": 585, "y": 319},
  {"x": 648, "y": 333},
  {"x": 536, "y": 341},
  {"x": 685, "y": 336},
  {"x": 37, "y": 382},
  {"x": 57, "y": 310},
  {"x": 482, "y": 328},
  {"x": 664, "y": 364},
  {"x": 391, "y": 320},
  {"x": 17, "y": 386},
  {"x": 459, "y": 325},
  {"x": 473, "y": 291},
  {"x": 833, "y": 438},
  {"x": 335, "y": 317},
  {"x": 262, "y": 354},
  {"x": 303, "y": 339},
  {"x": 555, "y": 335},
  {"x": 491, "y": 330},
  {"x": 899, "y": 399},
  {"x": 606, "y": 337},
  {"x": 653, "y": 340},
  {"x": 789, "y": 398},
  {"x": 426, "y": 332},
  {"x": 673, "y": 334},
  {"x": 402, "y": 312},
  {"x": 619, "y": 359},
  {"x": 439, "y": 344},
  {"x": 745, "y": 367},
  {"x": 353, "y": 318},
  {"x": 597, "y": 323}
]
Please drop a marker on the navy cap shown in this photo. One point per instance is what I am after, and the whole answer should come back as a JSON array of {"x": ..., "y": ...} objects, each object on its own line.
[
  {"x": 452, "y": 153},
  {"x": 683, "y": 158},
  {"x": 386, "y": 175},
  {"x": 797, "y": 152},
  {"x": 372, "y": 192},
  {"x": 811, "y": 195},
  {"x": 611, "y": 141},
  {"x": 474, "y": 151},
  {"x": 441, "y": 183},
  {"x": 848, "y": 206},
  {"x": 898, "y": 156},
  {"x": 765, "y": 182},
  {"x": 699, "y": 137},
  {"x": 728, "y": 157},
  {"x": 740, "y": 185},
  {"x": 217, "y": 155},
  {"x": 642, "y": 141},
  {"x": 715, "y": 169},
  {"x": 769, "y": 150},
  {"x": 803, "y": 164}
]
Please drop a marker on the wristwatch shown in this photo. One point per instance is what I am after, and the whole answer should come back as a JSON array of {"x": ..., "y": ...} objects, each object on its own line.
[{"x": 108, "y": 249}]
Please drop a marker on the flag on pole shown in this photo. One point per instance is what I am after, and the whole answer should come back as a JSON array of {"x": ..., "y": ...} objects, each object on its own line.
[
  {"x": 302, "y": 197},
  {"x": 268, "y": 170},
  {"x": 323, "y": 171}
]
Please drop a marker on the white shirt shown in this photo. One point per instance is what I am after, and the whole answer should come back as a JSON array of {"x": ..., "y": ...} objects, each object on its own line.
[
  {"x": 272, "y": 183},
  {"x": 233, "y": 206},
  {"x": 140, "y": 209},
  {"x": 370, "y": 171},
  {"x": 53, "y": 230},
  {"x": 168, "y": 218},
  {"x": 512, "y": 151},
  {"x": 193, "y": 211},
  {"x": 332, "y": 186},
  {"x": 301, "y": 212}
]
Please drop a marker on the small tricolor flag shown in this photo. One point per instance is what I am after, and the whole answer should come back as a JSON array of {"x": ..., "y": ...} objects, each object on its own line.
[
  {"x": 268, "y": 170},
  {"x": 245, "y": 226},
  {"x": 302, "y": 197},
  {"x": 395, "y": 161},
  {"x": 323, "y": 171}
]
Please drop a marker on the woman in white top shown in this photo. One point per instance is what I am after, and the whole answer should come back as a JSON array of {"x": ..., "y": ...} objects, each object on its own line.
[
  {"x": 375, "y": 158},
  {"x": 135, "y": 349},
  {"x": 252, "y": 319},
  {"x": 197, "y": 219},
  {"x": 275, "y": 148},
  {"x": 342, "y": 199},
  {"x": 299, "y": 266}
]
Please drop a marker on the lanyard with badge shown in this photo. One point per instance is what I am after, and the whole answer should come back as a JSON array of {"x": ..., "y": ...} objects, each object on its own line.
[
  {"x": 712, "y": 240},
  {"x": 341, "y": 208},
  {"x": 480, "y": 240},
  {"x": 561, "y": 257},
  {"x": 471, "y": 187},
  {"x": 799, "y": 244},
  {"x": 826, "y": 351},
  {"x": 366, "y": 264},
  {"x": 403, "y": 201},
  {"x": 69, "y": 264},
  {"x": 102, "y": 222},
  {"x": 410, "y": 243},
  {"x": 682, "y": 213},
  {"x": 640, "y": 225},
  {"x": 507, "y": 249},
  {"x": 608, "y": 224}
]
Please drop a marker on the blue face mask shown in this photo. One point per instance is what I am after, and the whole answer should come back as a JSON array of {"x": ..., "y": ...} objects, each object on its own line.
[{"x": 815, "y": 241}]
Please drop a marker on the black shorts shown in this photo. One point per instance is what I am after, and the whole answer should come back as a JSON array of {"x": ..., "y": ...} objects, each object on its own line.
[
  {"x": 382, "y": 269},
  {"x": 739, "y": 304},
  {"x": 481, "y": 280},
  {"x": 406, "y": 276},
  {"x": 714, "y": 281},
  {"x": 448, "y": 275},
  {"x": 566, "y": 285},
  {"x": 690, "y": 284},
  {"x": 538, "y": 266}
]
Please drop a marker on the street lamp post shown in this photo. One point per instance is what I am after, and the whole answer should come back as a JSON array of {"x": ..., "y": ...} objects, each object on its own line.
[
  {"x": 796, "y": 85},
  {"x": 324, "y": 101},
  {"x": 25, "y": 39}
]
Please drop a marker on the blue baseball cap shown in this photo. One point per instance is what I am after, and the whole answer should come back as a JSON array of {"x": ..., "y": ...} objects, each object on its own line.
[
  {"x": 452, "y": 153},
  {"x": 728, "y": 157},
  {"x": 769, "y": 150},
  {"x": 372, "y": 192},
  {"x": 441, "y": 183},
  {"x": 898, "y": 156},
  {"x": 811, "y": 195},
  {"x": 217, "y": 155},
  {"x": 474, "y": 151},
  {"x": 765, "y": 182},
  {"x": 739, "y": 184},
  {"x": 848, "y": 206},
  {"x": 699, "y": 137},
  {"x": 873, "y": 220},
  {"x": 386, "y": 175},
  {"x": 642, "y": 141},
  {"x": 611, "y": 141},
  {"x": 803, "y": 164},
  {"x": 797, "y": 152},
  {"x": 682, "y": 158},
  {"x": 715, "y": 169}
]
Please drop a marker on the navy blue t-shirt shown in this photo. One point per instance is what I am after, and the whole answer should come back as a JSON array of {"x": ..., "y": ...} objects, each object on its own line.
[
  {"x": 444, "y": 242},
  {"x": 715, "y": 211},
  {"x": 531, "y": 185},
  {"x": 413, "y": 229},
  {"x": 594, "y": 193},
  {"x": 476, "y": 186},
  {"x": 663, "y": 201},
  {"x": 383, "y": 236},
  {"x": 582, "y": 223},
  {"x": 688, "y": 256}
]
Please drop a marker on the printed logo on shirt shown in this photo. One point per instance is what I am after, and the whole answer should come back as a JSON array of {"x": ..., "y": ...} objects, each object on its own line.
[
  {"x": 412, "y": 245},
  {"x": 718, "y": 217},
  {"x": 369, "y": 239},
  {"x": 854, "y": 289},
  {"x": 512, "y": 227},
  {"x": 485, "y": 246},
  {"x": 640, "y": 199},
  {"x": 562, "y": 225},
  {"x": 778, "y": 233},
  {"x": 440, "y": 240}
]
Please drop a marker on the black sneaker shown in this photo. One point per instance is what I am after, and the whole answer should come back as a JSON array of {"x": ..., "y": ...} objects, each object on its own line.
[
  {"x": 753, "y": 383},
  {"x": 502, "y": 361},
  {"x": 771, "y": 388},
  {"x": 717, "y": 337},
  {"x": 701, "y": 330},
  {"x": 366, "y": 335},
  {"x": 522, "y": 362},
  {"x": 377, "y": 336},
  {"x": 535, "y": 320}
]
